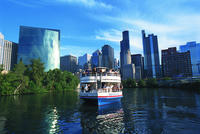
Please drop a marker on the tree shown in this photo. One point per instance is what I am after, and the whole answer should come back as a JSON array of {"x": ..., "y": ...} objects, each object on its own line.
[
  {"x": 141, "y": 83},
  {"x": 1, "y": 68},
  {"x": 36, "y": 70},
  {"x": 21, "y": 79},
  {"x": 152, "y": 83},
  {"x": 129, "y": 83}
]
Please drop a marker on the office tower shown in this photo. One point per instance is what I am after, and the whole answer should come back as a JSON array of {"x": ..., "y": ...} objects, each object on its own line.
[
  {"x": 40, "y": 43},
  {"x": 9, "y": 55},
  {"x": 125, "y": 54},
  {"x": 128, "y": 71},
  {"x": 96, "y": 59},
  {"x": 194, "y": 49},
  {"x": 126, "y": 68},
  {"x": 1, "y": 48},
  {"x": 137, "y": 59},
  {"x": 151, "y": 56},
  {"x": 108, "y": 56},
  {"x": 68, "y": 63},
  {"x": 116, "y": 63},
  {"x": 176, "y": 64},
  {"x": 82, "y": 60}
]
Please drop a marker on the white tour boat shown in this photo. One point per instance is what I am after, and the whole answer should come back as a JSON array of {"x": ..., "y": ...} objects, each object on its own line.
[{"x": 100, "y": 85}]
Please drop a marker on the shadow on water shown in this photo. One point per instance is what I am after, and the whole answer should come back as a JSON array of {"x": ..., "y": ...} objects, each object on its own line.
[{"x": 141, "y": 111}]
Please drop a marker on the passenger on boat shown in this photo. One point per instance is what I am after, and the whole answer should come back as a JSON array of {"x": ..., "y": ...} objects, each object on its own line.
[
  {"x": 89, "y": 88},
  {"x": 86, "y": 88}
]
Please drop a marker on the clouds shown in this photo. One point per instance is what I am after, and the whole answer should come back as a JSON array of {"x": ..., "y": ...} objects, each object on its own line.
[
  {"x": 86, "y": 3},
  {"x": 175, "y": 22}
]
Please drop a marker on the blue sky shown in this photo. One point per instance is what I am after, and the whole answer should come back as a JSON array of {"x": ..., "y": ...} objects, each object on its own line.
[{"x": 86, "y": 25}]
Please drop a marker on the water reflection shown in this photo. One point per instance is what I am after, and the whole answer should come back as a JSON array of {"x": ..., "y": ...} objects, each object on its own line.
[
  {"x": 101, "y": 120},
  {"x": 141, "y": 111},
  {"x": 161, "y": 111}
]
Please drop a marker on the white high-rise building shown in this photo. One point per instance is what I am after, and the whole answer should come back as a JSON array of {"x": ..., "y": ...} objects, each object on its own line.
[{"x": 1, "y": 48}]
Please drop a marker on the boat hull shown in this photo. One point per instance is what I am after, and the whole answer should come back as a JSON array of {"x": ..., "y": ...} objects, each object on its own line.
[{"x": 101, "y": 98}]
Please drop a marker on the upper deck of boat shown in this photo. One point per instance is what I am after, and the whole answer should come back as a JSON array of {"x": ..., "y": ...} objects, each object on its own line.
[{"x": 100, "y": 74}]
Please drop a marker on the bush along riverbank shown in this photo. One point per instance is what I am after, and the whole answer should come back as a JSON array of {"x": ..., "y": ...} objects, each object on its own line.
[
  {"x": 33, "y": 79},
  {"x": 162, "y": 83}
]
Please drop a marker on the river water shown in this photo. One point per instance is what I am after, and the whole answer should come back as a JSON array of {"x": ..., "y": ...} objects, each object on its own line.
[{"x": 141, "y": 111}]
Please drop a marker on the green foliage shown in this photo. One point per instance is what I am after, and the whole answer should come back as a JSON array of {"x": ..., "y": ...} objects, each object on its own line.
[
  {"x": 129, "y": 83},
  {"x": 141, "y": 84},
  {"x": 33, "y": 79},
  {"x": 167, "y": 78},
  {"x": 36, "y": 72},
  {"x": 1, "y": 68},
  {"x": 151, "y": 83}
]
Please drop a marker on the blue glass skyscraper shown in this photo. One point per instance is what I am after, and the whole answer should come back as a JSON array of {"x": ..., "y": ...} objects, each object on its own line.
[
  {"x": 194, "y": 49},
  {"x": 151, "y": 56},
  {"x": 96, "y": 59},
  {"x": 40, "y": 43}
]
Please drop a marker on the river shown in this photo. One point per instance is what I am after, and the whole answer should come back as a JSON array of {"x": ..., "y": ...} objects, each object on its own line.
[{"x": 141, "y": 111}]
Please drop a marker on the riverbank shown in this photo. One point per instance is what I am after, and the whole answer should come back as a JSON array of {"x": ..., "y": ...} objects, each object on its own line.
[
  {"x": 33, "y": 79},
  {"x": 189, "y": 84}
]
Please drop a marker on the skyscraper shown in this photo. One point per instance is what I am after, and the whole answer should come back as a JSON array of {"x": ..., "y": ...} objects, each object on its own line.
[
  {"x": 151, "y": 56},
  {"x": 68, "y": 63},
  {"x": 176, "y": 64},
  {"x": 9, "y": 55},
  {"x": 137, "y": 59},
  {"x": 194, "y": 49},
  {"x": 96, "y": 59},
  {"x": 125, "y": 54},
  {"x": 82, "y": 60},
  {"x": 126, "y": 68},
  {"x": 108, "y": 56},
  {"x": 40, "y": 43},
  {"x": 1, "y": 48}
]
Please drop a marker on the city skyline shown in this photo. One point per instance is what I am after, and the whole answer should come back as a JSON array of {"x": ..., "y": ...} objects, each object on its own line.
[{"x": 86, "y": 25}]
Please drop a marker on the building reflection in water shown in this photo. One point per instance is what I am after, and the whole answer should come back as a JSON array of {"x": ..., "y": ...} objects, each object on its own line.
[{"x": 104, "y": 119}]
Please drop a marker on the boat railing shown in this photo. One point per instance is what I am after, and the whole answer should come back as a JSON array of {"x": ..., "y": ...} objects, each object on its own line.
[
  {"x": 103, "y": 74},
  {"x": 102, "y": 91}
]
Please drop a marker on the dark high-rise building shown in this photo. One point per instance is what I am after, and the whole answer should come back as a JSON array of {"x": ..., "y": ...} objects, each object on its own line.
[
  {"x": 40, "y": 43},
  {"x": 176, "y": 64},
  {"x": 108, "y": 56},
  {"x": 126, "y": 67},
  {"x": 151, "y": 56},
  {"x": 125, "y": 54},
  {"x": 137, "y": 59},
  {"x": 96, "y": 59},
  {"x": 68, "y": 63}
]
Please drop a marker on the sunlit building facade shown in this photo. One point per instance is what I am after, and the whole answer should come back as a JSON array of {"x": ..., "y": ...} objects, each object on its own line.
[
  {"x": 1, "y": 48},
  {"x": 40, "y": 43},
  {"x": 9, "y": 55}
]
